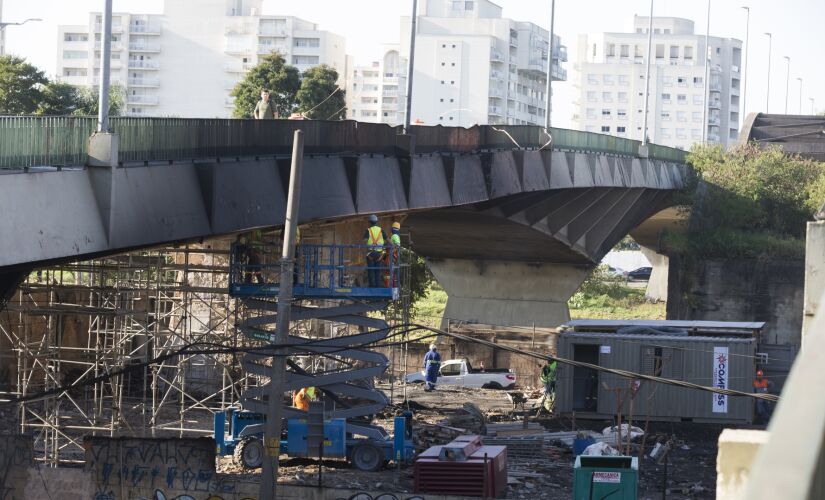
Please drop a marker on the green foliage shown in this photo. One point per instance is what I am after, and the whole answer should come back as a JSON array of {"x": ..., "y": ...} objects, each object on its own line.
[
  {"x": 21, "y": 86},
  {"x": 629, "y": 303},
  {"x": 88, "y": 105},
  {"x": 273, "y": 74},
  {"x": 58, "y": 99},
  {"x": 600, "y": 282},
  {"x": 421, "y": 279},
  {"x": 750, "y": 202},
  {"x": 320, "y": 97},
  {"x": 627, "y": 243}
]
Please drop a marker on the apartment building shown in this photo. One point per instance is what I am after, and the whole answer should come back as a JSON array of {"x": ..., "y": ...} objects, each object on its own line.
[
  {"x": 611, "y": 80},
  {"x": 185, "y": 62},
  {"x": 471, "y": 67},
  {"x": 2, "y": 32}
]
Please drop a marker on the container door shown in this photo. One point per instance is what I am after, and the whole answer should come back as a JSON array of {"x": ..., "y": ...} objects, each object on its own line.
[{"x": 585, "y": 380}]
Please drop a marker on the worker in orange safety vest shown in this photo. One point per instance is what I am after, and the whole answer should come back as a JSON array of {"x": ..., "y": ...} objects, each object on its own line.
[
  {"x": 761, "y": 385},
  {"x": 302, "y": 398}
]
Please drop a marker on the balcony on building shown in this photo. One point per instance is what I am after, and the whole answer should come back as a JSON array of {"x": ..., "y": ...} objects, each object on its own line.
[
  {"x": 496, "y": 56},
  {"x": 560, "y": 53},
  {"x": 146, "y": 64},
  {"x": 390, "y": 93},
  {"x": 144, "y": 47},
  {"x": 142, "y": 99},
  {"x": 144, "y": 28},
  {"x": 115, "y": 46},
  {"x": 272, "y": 29},
  {"x": 497, "y": 92},
  {"x": 116, "y": 28},
  {"x": 390, "y": 78},
  {"x": 144, "y": 82},
  {"x": 496, "y": 75},
  {"x": 495, "y": 110},
  {"x": 238, "y": 49}
]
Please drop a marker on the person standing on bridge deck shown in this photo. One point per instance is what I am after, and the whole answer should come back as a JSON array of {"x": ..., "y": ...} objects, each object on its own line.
[
  {"x": 432, "y": 363},
  {"x": 265, "y": 110},
  {"x": 375, "y": 238}
]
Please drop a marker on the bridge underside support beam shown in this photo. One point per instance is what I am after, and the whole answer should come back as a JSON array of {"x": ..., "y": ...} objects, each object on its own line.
[{"x": 507, "y": 293}]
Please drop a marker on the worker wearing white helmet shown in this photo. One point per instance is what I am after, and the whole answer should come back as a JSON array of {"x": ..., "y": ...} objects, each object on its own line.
[{"x": 432, "y": 363}]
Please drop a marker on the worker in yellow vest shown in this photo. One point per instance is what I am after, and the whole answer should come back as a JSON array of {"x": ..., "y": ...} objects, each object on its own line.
[{"x": 375, "y": 238}]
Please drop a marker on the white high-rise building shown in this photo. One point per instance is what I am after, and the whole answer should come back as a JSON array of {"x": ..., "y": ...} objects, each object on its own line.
[
  {"x": 185, "y": 62},
  {"x": 2, "y": 31},
  {"x": 471, "y": 67},
  {"x": 611, "y": 78}
]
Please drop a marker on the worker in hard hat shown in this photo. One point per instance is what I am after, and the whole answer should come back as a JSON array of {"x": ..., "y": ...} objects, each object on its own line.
[
  {"x": 761, "y": 385},
  {"x": 548, "y": 378},
  {"x": 393, "y": 255},
  {"x": 375, "y": 238},
  {"x": 432, "y": 363},
  {"x": 302, "y": 398}
]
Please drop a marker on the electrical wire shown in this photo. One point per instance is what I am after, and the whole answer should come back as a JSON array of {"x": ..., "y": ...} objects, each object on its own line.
[{"x": 304, "y": 114}]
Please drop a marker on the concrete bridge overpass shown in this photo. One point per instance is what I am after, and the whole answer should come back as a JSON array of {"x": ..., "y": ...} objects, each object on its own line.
[{"x": 509, "y": 221}]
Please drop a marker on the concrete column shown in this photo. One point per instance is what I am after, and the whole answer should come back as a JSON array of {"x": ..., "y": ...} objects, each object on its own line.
[
  {"x": 814, "y": 273},
  {"x": 657, "y": 285},
  {"x": 507, "y": 293},
  {"x": 103, "y": 150},
  {"x": 737, "y": 450}
]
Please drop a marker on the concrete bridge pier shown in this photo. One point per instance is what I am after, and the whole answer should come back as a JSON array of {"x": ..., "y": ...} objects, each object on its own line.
[
  {"x": 507, "y": 293},
  {"x": 657, "y": 285}
]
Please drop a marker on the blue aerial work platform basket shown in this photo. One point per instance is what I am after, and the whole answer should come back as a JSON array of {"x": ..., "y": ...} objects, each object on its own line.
[{"x": 321, "y": 272}]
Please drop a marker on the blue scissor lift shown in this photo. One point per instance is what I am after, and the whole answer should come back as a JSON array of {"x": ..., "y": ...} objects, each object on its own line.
[{"x": 342, "y": 423}]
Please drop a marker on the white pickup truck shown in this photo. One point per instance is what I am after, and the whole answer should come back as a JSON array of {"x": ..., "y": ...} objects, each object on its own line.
[{"x": 460, "y": 372}]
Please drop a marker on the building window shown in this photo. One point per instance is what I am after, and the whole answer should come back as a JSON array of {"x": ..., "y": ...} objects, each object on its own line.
[
  {"x": 469, "y": 5},
  {"x": 620, "y": 130},
  {"x": 607, "y": 97},
  {"x": 307, "y": 42},
  {"x": 624, "y": 80},
  {"x": 75, "y": 54},
  {"x": 622, "y": 96},
  {"x": 674, "y": 52},
  {"x": 591, "y": 114},
  {"x": 606, "y": 128},
  {"x": 75, "y": 37},
  {"x": 665, "y": 133},
  {"x": 667, "y": 81},
  {"x": 666, "y": 98},
  {"x": 592, "y": 79},
  {"x": 660, "y": 51},
  {"x": 718, "y": 51},
  {"x": 696, "y": 116},
  {"x": 696, "y": 134},
  {"x": 697, "y": 99},
  {"x": 681, "y": 81},
  {"x": 681, "y": 98},
  {"x": 591, "y": 96},
  {"x": 608, "y": 79},
  {"x": 622, "y": 114},
  {"x": 680, "y": 133},
  {"x": 681, "y": 116},
  {"x": 666, "y": 116},
  {"x": 639, "y": 51},
  {"x": 611, "y": 50},
  {"x": 697, "y": 81},
  {"x": 605, "y": 113},
  {"x": 458, "y": 5},
  {"x": 307, "y": 60},
  {"x": 624, "y": 50}
]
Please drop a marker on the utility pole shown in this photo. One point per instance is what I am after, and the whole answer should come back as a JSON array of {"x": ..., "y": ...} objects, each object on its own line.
[
  {"x": 3, "y": 28},
  {"x": 105, "y": 61},
  {"x": 768, "y": 93},
  {"x": 787, "y": 81},
  {"x": 745, "y": 69},
  {"x": 272, "y": 434},
  {"x": 411, "y": 66},
  {"x": 549, "y": 90},
  {"x": 647, "y": 73},
  {"x": 800, "y": 94},
  {"x": 707, "y": 77}
]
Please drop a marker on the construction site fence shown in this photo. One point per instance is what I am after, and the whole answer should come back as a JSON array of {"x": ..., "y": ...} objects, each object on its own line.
[{"x": 60, "y": 141}]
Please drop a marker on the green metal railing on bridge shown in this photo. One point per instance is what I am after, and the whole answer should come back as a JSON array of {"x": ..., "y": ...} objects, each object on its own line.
[{"x": 27, "y": 141}]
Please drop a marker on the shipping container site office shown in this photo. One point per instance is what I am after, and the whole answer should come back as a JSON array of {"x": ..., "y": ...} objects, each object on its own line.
[{"x": 715, "y": 361}]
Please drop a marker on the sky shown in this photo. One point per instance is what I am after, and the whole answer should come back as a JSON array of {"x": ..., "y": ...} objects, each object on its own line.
[{"x": 796, "y": 26}]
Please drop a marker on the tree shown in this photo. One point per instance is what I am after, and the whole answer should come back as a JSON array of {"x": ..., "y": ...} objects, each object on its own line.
[
  {"x": 58, "y": 99},
  {"x": 21, "y": 86},
  {"x": 320, "y": 97},
  {"x": 88, "y": 102},
  {"x": 273, "y": 74}
]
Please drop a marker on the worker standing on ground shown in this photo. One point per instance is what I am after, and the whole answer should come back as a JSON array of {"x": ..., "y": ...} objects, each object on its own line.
[
  {"x": 302, "y": 398},
  {"x": 265, "y": 109},
  {"x": 548, "y": 378},
  {"x": 761, "y": 385},
  {"x": 375, "y": 238},
  {"x": 432, "y": 362}
]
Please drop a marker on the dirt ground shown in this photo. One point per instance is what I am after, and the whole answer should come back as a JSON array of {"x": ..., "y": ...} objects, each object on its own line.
[{"x": 691, "y": 465}]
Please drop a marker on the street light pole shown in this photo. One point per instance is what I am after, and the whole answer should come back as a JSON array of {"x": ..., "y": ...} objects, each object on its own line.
[
  {"x": 707, "y": 77},
  {"x": 787, "y": 81},
  {"x": 768, "y": 94},
  {"x": 411, "y": 66},
  {"x": 812, "y": 104},
  {"x": 745, "y": 69},
  {"x": 647, "y": 73},
  {"x": 549, "y": 90},
  {"x": 3, "y": 32},
  {"x": 800, "y": 94},
  {"x": 105, "y": 61}
]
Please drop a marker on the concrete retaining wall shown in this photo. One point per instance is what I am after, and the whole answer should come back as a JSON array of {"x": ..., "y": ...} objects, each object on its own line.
[{"x": 740, "y": 290}]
